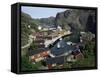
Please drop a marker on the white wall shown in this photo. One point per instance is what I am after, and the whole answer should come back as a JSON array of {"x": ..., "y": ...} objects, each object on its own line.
[{"x": 5, "y": 39}]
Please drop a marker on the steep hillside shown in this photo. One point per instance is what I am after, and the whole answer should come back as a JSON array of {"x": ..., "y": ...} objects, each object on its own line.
[
  {"x": 27, "y": 25},
  {"x": 76, "y": 19},
  {"x": 50, "y": 21}
]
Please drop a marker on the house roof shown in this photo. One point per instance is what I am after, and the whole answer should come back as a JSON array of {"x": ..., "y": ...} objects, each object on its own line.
[
  {"x": 40, "y": 50},
  {"x": 42, "y": 37},
  {"x": 38, "y": 41},
  {"x": 38, "y": 33},
  {"x": 76, "y": 52},
  {"x": 40, "y": 46},
  {"x": 64, "y": 48},
  {"x": 56, "y": 60}
]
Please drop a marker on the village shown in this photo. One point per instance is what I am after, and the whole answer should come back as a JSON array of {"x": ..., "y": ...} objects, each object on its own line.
[
  {"x": 63, "y": 40},
  {"x": 50, "y": 48}
]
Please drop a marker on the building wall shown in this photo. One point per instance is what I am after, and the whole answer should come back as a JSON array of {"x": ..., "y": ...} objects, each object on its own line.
[
  {"x": 40, "y": 56},
  {"x": 79, "y": 56}
]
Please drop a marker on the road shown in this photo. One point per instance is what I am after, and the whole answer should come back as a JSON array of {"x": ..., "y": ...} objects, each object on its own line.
[
  {"x": 29, "y": 42},
  {"x": 48, "y": 42}
]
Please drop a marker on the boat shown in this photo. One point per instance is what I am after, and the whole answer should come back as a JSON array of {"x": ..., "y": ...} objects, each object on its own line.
[{"x": 58, "y": 45}]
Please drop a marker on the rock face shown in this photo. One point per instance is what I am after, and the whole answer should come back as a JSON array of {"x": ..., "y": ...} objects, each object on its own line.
[
  {"x": 76, "y": 20},
  {"x": 91, "y": 24}
]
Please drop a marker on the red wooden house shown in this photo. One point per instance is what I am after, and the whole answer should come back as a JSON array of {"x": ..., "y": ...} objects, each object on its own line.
[
  {"x": 38, "y": 54},
  {"x": 78, "y": 55}
]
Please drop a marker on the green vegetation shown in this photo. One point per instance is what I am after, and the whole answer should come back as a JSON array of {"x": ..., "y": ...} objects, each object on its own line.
[
  {"x": 47, "y": 21},
  {"x": 33, "y": 46},
  {"x": 27, "y": 26},
  {"x": 26, "y": 64},
  {"x": 89, "y": 57}
]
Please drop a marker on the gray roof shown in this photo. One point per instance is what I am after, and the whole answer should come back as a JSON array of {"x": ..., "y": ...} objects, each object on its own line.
[{"x": 56, "y": 60}]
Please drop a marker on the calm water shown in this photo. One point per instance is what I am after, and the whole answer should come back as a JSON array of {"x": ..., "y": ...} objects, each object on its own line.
[{"x": 62, "y": 47}]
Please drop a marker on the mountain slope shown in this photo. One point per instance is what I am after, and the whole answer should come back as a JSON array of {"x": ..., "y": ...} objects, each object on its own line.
[
  {"x": 76, "y": 19},
  {"x": 27, "y": 25}
]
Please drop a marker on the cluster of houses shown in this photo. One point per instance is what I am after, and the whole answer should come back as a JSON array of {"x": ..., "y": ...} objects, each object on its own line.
[
  {"x": 59, "y": 54},
  {"x": 66, "y": 52}
]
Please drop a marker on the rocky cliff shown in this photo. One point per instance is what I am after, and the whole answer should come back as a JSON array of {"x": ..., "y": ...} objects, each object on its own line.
[{"x": 76, "y": 20}]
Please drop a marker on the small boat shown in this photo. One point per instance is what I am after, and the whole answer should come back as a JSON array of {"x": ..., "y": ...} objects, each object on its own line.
[
  {"x": 58, "y": 45},
  {"x": 60, "y": 39}
]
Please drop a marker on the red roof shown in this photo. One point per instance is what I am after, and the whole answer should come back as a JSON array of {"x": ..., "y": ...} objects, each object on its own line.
[{"x": 42, "y": 54}]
